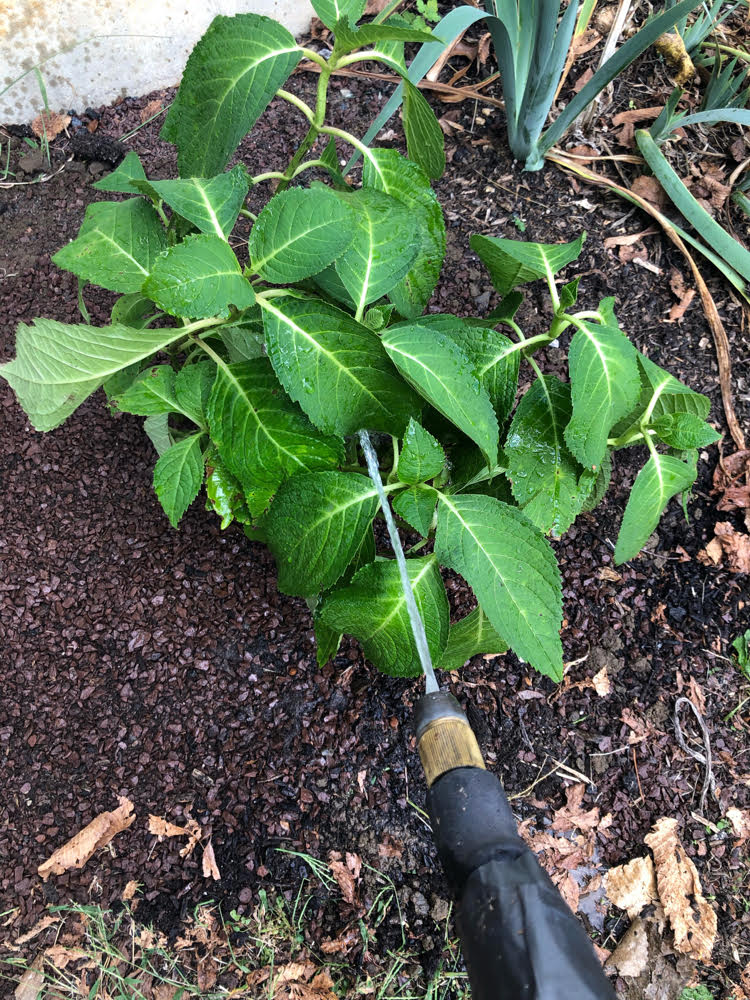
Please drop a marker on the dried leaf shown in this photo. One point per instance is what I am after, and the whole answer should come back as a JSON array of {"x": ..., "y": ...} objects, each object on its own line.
[
  {"x": 630, "y": 957},
  {"x": 650, "y": 190},
  {"x": 162, "y": 828},
  {"x": 41, "y": 925},
  {"x": 343, "y": 944},
  {"x": 740, "y": 820},
  {"x": 29, "y": 985},
  {"x": 345, "y": 879},
  {"x": 163, "y": 991},
  {"x": 730, "y": 547},
  {"x": 640, "y": 728},
  {"x": 150, "y": 109},
  {"x": 50, "y": 123},
  {"x": 207, "y": 973},
  {"x": 99, "y": 832},
  {"x": 696, "y": 695},
  {"x": 572, "y": 816},
  {"x": 210, "y": 868},
  {"x": 690, "y": 916},
  {"x": 61, "y": 956},
  {"x": 601, "y": 682},
  {"x": 672, "y": 48},
  {"x": 633, "y": 886},
  {"x": 390, "y": 848},
  {"x": 130, "y": 890}
]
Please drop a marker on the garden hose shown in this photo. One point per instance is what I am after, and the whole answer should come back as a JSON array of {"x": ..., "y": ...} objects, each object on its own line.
[{"x": 519, "y": 938}]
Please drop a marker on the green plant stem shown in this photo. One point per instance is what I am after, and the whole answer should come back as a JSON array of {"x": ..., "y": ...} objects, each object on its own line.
[
  {"x": 316, "y": 123},
  {"x": 535, "y": 366},
  {"x": 306, "y": 110},
  {"x": 161, "y": 213},
  {"x": 315, "y": 57},
  {"x": 247, "y": 214},
  {"x": 630, "y": 437},
  {"x": 353, "y": 141},
  {"x": 269, "y": 176},
  {"x": 731, "y": 51},
  {"x": 369, "y": 55}
]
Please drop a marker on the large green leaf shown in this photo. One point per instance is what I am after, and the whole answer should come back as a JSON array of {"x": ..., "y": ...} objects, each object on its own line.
[
  {"x": 58, "y": 365},
  {"x": 494, "y": 357},
  {"x": 605, "y": 385},
  {"x": 230, "y": 78},
  {"x": 512, "y": 570},
  {"x": 547, "y": 481},
  {"x": 513, "y": 262},
  {"x": 211, "y": 204},
  {"x": 331, "y": 11},
  {"x": 672, "y": 396},
  {"x": 385, "y": 244},
  {"x": 659, "y": 480},
  {"x": 315, "y": 527},
  {"x": 684, "y": 431},
  {"x": 442, "y": 373},
  {"x": 116, "y": 245},
  {"x": 424, "y": 137},
  {"x": 335, "y": 368},
  {"x": 387, "y": 170},
  {"x": 150, "y": 393},
  {"x": 417, "y": 507},
  {"x": 200, "y": 278},
  {"x": 178, "y": 475},
  {"x": 373, "y": 609},
  {"x": 298, "y": 233},
  {"x": 261, "y": 436},
  {"x": 348, "y": 38},
  {"x": 422, "y": 457},
  {"x": 131, "y": 169},
  {"x": 469, "y": 637}
]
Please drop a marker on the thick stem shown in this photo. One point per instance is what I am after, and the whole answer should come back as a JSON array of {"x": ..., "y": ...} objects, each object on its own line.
[{"x": 316, "y": 124}]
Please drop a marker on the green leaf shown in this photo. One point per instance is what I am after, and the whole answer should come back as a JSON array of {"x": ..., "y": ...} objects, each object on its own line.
[
  {"x": 261, "y": 436},
  {"x": 494, "y": 357},
  {"x": 672, "y": 396},
  {"x": 230, "y": 78},
  {"x": 315, "y": 526},
  {"x": 601, "y": 483},
  {"x": 133, "y": 310},
  {"x": 442, "y": 373},
  {"x": 348, "y": 38},
  {"x": 417, "y": 507},
  {"x": 327, "y": 642},
  {"x": 385, "y": 244},
  {"x": 511, "y": 569},
  {"x": 200, "y": 278},
  {"x": 684, "y": 431},
  {"x": 298, "y": 233},
  {"x": 605, "y": 386},
  {"x": 506, "y": 310},
  {"x": 545, "y": 477},
  {"x": 224, "y": 493},
  {"x": 178, "y": 476},
  {"x": 243, "y": 341},
  {"x": 157, "y": 431},
  {"x": 387, "y": 170},
  {"x": 335, "y": 368},
  {"x": 121, "y": 179},
  {"x": 192, "y": 390},
  {"x": 150, "y": 393},
  {"x": 331, "y": 11},
  {"x": 211, "y": 204},
  {"x": 58, "y": 365},
  {"x": 513, "y": 262},
  {"x": 469, "y": 637},
  {"x": 659, "y": 480},
  {"x": 424, "y": 137},
  {"x": 373, "y": 609},
  {"x": 116, "y": 245},
  {"x": 422, "y": 457}
]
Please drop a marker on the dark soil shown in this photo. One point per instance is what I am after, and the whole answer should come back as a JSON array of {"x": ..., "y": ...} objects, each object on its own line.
[{"x": 165, "y": 665}]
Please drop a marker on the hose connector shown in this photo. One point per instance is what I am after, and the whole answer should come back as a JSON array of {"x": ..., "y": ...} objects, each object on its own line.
[{"x": 444, "y": 737}]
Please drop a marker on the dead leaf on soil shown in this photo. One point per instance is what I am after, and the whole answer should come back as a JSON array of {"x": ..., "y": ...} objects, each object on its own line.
[
  {"x": 740, "y": 820},
  {"x": 162, "y": 828},
  {"x": 99, "y": 832},
  {"x": 207, "y": 973},
  {"x": 50, "y": 123},
  {"x": 728, "y": 477},
  {"x": 343, "y": 944},
  {"x": 390, "y": 848},
  {"x": 572, "y": 816},
  {"x": 692, "y": 919},
  {"x": 130, "y": 890},
  {"x": 30, "y": 984},
  {"x": 729, "y": 547},
  {"x": 210, "y": 868},
  {"x": 696, "y": 695},
  {"x": 41, "y": 925},
  {"x": 633, "y": 886},
  {"x": 147, "y": 939},
  {"x": 640, "y": 728},
  {"x": 346, "y": 873},
  {"x": 630, "y": 957},
  {"x": 150, "y": 109},
  {"x": 61, "y": 956},
  {"x": 163, "y": 991},
  {"x": 650, "y": 190}
]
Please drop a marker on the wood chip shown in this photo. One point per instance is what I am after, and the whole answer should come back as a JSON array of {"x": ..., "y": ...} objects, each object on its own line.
[
  {"x": 208, "y": 863},
  {"x": 29, "y": 985},
  {"x": 99, "y": 832},
  {"x": 690, "y": 916}
]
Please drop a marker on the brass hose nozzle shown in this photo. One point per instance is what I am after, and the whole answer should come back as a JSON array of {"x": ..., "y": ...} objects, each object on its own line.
[{"x": 444, "y": 737}]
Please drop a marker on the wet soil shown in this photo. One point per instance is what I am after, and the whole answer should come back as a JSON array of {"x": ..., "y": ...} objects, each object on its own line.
[{"x": 165, "y": 665}]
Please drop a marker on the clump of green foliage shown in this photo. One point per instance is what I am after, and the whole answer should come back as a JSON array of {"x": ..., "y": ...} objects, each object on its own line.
[{"x": 258, "y": 376}]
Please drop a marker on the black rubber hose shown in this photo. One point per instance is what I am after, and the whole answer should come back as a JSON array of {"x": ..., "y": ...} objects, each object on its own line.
[{"x": 520, "y": 940}]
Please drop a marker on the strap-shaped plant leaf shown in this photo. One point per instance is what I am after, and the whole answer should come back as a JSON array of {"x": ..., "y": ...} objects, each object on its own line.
[
  {"x": 335, "y": 368},
  {"x": 387, "y": 170},
  {"x": 511, "y": 568},
  {"x": 605, "y": 386},
  {"x": 116, "y": 246},
  {"x": 422, "y": 456},
  {"x": 212, "y": 204},
  {"x": 298, "y": 233},
  {"x": 417, "y": 507},
  {"x": 547, "y": 482},
  {"x": 661, "y": 478},
  {"x": 57, "y": 365},
  {"x": 178, "y": 476},
  {"x": 261, "y": 436},
  {"x": 200, "y": 277},
  {"x": 470, "y": 637},
  {"x": 512, "y": 262},
  {"x": 442, "y": 374},
  {"x": 229, "y": 80},
  {"x": 315, "y": 527},
  {"x": 373, "y": 609}
]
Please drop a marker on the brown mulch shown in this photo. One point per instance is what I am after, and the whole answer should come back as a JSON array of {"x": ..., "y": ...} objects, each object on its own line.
[{"x": 166, "y": 667}]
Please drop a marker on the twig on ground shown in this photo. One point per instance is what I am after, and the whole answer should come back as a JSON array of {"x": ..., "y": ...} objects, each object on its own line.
[{"x": 705, "y": 759}]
